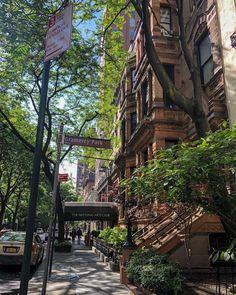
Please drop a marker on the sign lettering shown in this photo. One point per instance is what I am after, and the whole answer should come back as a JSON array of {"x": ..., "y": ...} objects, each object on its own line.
[
  {"x": 58, "y": 37},
  {"x": 91, "y": 142}
]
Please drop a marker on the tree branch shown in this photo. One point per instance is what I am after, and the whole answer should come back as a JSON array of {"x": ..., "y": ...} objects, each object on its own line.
[
  {"x": 80, "y": 130},
  {"x": 176, "y": 97},
  {"x": 26, "y": 144}
]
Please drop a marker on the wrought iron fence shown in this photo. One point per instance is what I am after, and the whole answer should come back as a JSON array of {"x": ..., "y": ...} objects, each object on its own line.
[{"x": 106, "y": 249}]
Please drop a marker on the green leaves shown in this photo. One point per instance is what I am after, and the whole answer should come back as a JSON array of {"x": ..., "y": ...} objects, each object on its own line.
[
  {"x": 154, "y": 272},
  {"x": 197, "y": 173},
  {"x": 114, "y": 236}
]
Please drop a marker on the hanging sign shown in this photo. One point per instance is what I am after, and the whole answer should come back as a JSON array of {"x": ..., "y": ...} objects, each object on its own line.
[
  {"x": 58, "y": 37},
  {"x": 63, "y": 177}
]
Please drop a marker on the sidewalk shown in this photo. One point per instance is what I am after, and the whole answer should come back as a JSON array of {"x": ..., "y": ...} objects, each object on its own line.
[{"x": 78, "y": 272}]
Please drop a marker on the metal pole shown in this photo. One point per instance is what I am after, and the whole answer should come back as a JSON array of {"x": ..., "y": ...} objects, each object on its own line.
[
  {"x": 25, "y": 271},
  {"x": 53, "y": 233},
  {"x": 53, "y": 211}
]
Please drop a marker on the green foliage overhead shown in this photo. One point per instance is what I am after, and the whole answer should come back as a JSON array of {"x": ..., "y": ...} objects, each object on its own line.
[
  {"x": 197, "y": 173},
  {"x": 200, "y": 173}
]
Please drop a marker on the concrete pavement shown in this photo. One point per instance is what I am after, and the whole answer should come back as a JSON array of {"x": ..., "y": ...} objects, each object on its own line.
[{"x": 78, "y": 272}]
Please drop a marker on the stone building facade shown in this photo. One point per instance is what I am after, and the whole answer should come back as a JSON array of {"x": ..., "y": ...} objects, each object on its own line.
[{"x": 150, "y": 121}]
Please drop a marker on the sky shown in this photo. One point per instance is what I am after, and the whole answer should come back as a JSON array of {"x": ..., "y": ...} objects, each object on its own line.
[{"x": 70, "y": 168}]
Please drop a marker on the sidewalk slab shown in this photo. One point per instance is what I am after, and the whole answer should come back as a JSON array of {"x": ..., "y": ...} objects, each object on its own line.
[{"x": 78, "y": 272}]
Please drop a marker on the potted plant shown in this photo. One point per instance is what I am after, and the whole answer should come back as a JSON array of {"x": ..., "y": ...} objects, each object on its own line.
[{"x": 63, "y": 246}]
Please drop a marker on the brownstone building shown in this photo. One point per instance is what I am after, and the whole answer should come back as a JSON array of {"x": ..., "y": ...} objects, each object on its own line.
[{"x": 150, "y": 121}]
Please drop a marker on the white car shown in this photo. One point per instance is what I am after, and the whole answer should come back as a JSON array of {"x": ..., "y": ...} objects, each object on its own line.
[{"x": 12, "y": 246}]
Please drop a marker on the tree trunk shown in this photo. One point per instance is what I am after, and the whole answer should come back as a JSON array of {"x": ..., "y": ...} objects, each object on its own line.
[
  {"x": 2, "y": 213},
  {"x": 60, "y": 216},
  {"x": 191, "y": 106},
  {"x": 15, "y": 212}
]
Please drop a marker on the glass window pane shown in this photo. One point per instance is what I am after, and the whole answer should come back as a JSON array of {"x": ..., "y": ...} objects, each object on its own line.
[
  {"x": 205, "y": 49},
  {"x": 207, "y": 71}
]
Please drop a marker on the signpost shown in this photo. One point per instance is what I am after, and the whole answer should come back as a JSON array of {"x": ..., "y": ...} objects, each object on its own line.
[
  {"x": 53, "y": 212},
  {"x": 91, "y": 142},
  {"x": 58, "y": 40}
]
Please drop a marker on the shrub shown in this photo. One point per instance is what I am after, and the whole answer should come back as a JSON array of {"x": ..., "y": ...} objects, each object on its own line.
[
  {"x": 117, "y": 237},
  {"x": 95, "y": 233},
  {"x": 154, "y": 272},
  {"x": 114, "y": 236},
  {"x": 136, "y": 262},
  {"x": 64, "y": 246},
  {"x": 105, "y": 233}
]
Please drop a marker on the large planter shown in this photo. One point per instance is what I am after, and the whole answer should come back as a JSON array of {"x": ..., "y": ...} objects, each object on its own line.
[
  {"x": 63, "y": 247},
  {"x": 114, "y": 266}
]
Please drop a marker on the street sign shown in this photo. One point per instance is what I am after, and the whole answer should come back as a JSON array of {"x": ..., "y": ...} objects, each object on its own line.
[
  {"x": 63, "y": 177},
  {"x": 58, "y": 37},
  {"x": 91, "y": 142}
]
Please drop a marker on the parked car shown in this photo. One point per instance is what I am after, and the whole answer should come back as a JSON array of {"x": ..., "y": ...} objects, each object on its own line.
[
  {"x": 12, "y": 249},
  {"x": 4, "y": 230}
]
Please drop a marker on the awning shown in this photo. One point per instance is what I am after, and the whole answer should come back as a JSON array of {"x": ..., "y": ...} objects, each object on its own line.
[{"x": 74, "y": 211}]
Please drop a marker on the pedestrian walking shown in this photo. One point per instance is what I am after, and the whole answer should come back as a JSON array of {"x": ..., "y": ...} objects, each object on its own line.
[
  {"x": 73, "y": 234},
  {"x": 67, "y": 232},
  {"x": 79, "y": 234}
]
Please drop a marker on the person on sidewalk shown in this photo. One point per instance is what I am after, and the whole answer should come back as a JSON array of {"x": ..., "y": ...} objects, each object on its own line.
[
  {"x": 73, "y": 234},
  {"x": 79, "y": 234}
]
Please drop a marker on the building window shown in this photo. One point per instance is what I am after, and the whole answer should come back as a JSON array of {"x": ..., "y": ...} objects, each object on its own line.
[
  {"x": 143, "y": 41},
  {"x": 170, "y": 142},
  {"x": 123, "y": 133},
  {"x": 144, "y": 93},
  {"x": 133, "y": 122},
  {"x": 165, "y": 20},
  {"x": 145, "y": 157},
  {"x": 170, "y": 70},
  {"x": 132, "y": 77},
  {"x": 132, "y": 169},
  {"x": 206, "y": 60},
  {"x": 198, "y": 2},
  {"x": 132, "y": 24}
]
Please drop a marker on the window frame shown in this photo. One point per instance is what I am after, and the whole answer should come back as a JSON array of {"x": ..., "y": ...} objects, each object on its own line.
[
  {"x": 144, "y": 98},
  {"x": 203, "y": 65},
  {"x": 132, "y": 124},
  {"x": 123, "y": 133},
  {"x": 132, "y": 78},
  {"x": 167, "y": 103},
  {"x": 162, "y": 24}
]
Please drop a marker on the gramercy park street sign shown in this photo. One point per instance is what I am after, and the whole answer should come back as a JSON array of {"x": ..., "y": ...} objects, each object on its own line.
[{"x": 91, "y": 142}]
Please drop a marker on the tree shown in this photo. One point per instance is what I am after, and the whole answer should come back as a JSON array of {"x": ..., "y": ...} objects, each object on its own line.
[
  {"x": 190, "y": 105},
  {"x": 13, "y": 178},
  {"x": 200, "y": 173},
  {"x": 73, "y": 77}
]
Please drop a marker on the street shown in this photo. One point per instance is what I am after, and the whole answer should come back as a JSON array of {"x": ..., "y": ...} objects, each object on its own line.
[{"x": 9, "y": 279}]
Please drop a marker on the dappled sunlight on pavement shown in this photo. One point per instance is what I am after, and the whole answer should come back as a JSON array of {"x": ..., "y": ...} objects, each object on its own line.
[{"x": 78, "y": 272}]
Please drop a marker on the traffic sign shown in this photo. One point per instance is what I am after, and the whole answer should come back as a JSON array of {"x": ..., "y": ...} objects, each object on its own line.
[
  {"x": 63, "y": 177},
  {"x": 58, "y": 37},
  {"x": 87, "y": 141}
]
